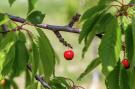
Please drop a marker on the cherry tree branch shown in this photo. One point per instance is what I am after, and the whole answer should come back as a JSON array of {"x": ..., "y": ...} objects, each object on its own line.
[
  {"x": 66, "y": 28},
  {"x": 47, "y": 26},
  {"x": 39, "y": 78}
]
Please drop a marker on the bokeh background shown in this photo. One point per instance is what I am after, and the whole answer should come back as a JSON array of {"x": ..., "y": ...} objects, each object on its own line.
[{"x": 60, "y": 12}]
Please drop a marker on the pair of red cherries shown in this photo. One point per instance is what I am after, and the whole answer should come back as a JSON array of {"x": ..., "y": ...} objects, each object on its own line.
[{"x": 69, "y": 55}]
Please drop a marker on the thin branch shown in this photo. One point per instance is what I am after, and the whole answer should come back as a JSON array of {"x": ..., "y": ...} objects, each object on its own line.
[
  {"x": 46, "y": 26},
  {"x": 74, "y": 19},
  {"x": 39, "y": 78},
  {"x": 62, "y": 40},
  {"x": 58, "y": 28},
  {"x": 49, "y": 27}
]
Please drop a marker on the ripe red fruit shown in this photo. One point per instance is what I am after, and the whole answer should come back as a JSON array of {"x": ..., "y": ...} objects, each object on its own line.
[
  {"x": 69, "y": 54},
  {"x": 125, "y": 63}
]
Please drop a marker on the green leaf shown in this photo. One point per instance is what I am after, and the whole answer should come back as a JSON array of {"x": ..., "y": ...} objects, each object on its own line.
[
  {"x": 132, "y": 55},
  {"x": 93, "y": 64},
  {"x": 129, "y": 43},
  {"x": 87, "y": 27},
  {"x": 32, "y": 86},
  {"x": 5, "y": 49},
  {"x": 36, "y": 17},
  {"x": 100, "y": 27},
  {"x": 3, "y": 18},
  {"x": 31, "y": 5},
  {"x": 112, "y": 80},
  {"x": 59, "y": 83},
  {"x": 28, "y": 78},
  {"x": 92, "y": 11},
  {"x": 8, "y": 63},
  {"x": 14, "y": 84},
  {"x": 104, "y": 22},
  {"x": 11, "y": 2},
  {"x": 124, "y": 81},
  {"x": 105, "y": 2},
  {"x": 133, "y": 34},
  {"x": 35, "y": 59},
  {"x": 8, "y": 84},
  {"x": 131, "y": 74},
  {"x": 46, "y": 54},
  {"x": 110, "y": 47},
  {"x": 132, "y": 1},
  {"x": 21, "y": 57},
  {"x": 88, "y": 41}
]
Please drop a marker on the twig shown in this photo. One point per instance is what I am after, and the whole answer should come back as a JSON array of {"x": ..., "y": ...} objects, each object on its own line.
[
  {"x": 58, "y": 28},
  {"x": 39, "y": 78},
  {"x": 61, "y": 39},
  {"x": 46, "y": 26},
  {"x": 74, "y": 19},
  {"x": 49, "y": 27}
]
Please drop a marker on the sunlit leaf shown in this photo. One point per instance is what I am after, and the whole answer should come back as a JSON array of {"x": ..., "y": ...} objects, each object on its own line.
[
  {"x": 8, "y": 63},
  {"x": 6, "y": 48},
  {"x": 3, "y": 18}
]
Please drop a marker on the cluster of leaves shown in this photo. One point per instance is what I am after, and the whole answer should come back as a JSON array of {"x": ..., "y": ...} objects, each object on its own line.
[
  {"x": 16, "y": 54},
  {"x": 20, "y": 48},
  {"x": 101, "y": 19}
]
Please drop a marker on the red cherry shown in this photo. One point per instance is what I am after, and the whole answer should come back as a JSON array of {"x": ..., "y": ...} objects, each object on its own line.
[
  {"x": 125, "y": 63},
  {"x": 69, "y": 54}
]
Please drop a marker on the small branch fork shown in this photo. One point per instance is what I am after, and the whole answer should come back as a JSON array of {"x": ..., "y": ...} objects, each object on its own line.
[
  {"x": 39, "y": 78},
  {"x": 67, "y": 28},
  {"x": 47, "y": 26},
  {"x": 45, "y": 85}
]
